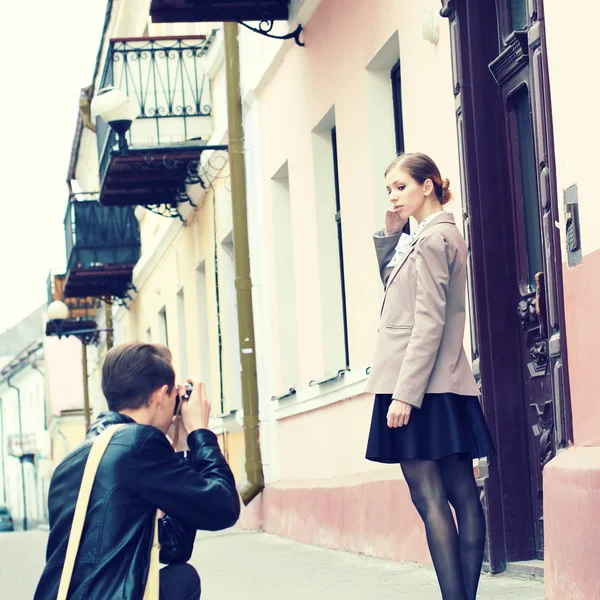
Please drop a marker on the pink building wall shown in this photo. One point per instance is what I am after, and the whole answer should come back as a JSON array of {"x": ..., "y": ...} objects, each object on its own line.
[
  {"x": 329, "y": 494},
  {"x": 576, "y": 130},
  {"x": 64, "y": 374},
  {"x": 311, "y": 446},
  {"x": 572, "y": 480},
  {"x": 332, "y": 71}
]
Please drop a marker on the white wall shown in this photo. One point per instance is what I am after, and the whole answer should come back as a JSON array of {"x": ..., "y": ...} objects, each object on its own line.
[{"x": 32, "y": 395}]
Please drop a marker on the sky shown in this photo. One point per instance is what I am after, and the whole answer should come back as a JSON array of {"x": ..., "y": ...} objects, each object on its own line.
[{"x": 48, "y": 52}]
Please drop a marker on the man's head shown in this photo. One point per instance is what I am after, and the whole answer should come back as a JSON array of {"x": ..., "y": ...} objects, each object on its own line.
[{"x": 140, "y": 378}]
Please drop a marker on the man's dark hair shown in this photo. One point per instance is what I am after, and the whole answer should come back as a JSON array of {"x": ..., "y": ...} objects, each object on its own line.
[{"x": 131, "y": 372}]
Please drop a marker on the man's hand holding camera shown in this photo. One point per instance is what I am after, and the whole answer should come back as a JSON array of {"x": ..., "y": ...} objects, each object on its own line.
[{"x": 195, "y": 412}]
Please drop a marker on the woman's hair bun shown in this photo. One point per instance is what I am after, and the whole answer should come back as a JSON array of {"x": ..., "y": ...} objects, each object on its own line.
[{"x": 446, "y": 194}]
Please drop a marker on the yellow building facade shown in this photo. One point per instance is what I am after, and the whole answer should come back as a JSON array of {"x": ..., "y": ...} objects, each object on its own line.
[{"x": 183, "y": 292}]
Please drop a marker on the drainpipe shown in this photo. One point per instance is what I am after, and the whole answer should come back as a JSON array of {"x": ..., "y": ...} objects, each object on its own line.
[
  {"x": 10, "y": 385},
  {"x": 218, "y": 301},
  {"x": 86, "y": 388},
  {"x": 36, "y": 368},
  {"x": 109, "y": 322},
  {"x": 243, "y": 284},
  {"x": 2, "y": 453}
]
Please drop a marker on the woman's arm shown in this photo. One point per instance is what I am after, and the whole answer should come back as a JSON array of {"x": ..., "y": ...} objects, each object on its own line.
[
  {"x": 433, "y": 277},
  {"x": 385, "y": 247}
]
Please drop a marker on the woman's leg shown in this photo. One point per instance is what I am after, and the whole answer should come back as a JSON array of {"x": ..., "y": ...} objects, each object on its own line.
[
  {"x": 179, "y": 582},
  {"x": 429, "y": 497},
  {"x": 459, "y": 481}
]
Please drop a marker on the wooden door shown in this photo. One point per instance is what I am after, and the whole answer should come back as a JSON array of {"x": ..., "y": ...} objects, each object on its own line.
[
  {"x": 521, "y": 75},
  {"x": 510, "y": 202}
]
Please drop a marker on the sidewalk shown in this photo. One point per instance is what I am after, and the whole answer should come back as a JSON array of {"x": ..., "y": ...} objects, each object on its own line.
[{"x": 239, "y": 564}]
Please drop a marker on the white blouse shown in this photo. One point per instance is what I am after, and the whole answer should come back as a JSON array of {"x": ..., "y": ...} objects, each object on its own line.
[{"x": 407, "y": 239}]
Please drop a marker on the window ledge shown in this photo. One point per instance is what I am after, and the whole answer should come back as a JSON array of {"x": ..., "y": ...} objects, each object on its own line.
[
  {"x": 313, "y": 398},
  {"x": 232, "y": 421}
]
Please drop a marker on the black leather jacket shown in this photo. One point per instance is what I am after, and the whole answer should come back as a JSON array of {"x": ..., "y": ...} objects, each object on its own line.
[{"x": 138, "y": 474}]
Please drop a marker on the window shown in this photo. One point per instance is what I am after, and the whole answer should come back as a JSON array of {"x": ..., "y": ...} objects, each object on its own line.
[
  {"x": 528, "y": 186},
  {"x": 163, "y": 332},
  {"x": 203, "y": 338},
  {"x": 285, "y": 281},
  {"x": 181, "y": 325},
  {"x": 398, "y": 121},
  {"x": 518, "y": 14},
  {"x": 330, "y": 240},
  {"x": 383, "y": 88},
  {"x": 397, "y": 103},
  {"x": 232, "y": 381},
  {"x": 338, "y": 220}
]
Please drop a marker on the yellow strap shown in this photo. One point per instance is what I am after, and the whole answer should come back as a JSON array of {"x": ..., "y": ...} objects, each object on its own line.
[
  {"x": 152, "y": 583},
  {"x": 91, "y": 467}
]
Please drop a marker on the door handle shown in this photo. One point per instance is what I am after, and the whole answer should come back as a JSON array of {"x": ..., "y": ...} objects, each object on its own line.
[{"x": 540, "y": 300}]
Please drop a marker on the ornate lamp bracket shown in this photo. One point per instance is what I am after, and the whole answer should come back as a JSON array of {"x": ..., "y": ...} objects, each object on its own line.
[
  {"x": 265, "y": 28},
  {"x": 85, "y": 336},
  {"x": 121, "y": 301}
]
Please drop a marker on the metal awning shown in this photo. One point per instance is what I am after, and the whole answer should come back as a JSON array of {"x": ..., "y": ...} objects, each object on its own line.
[{"x": 190, "y": 11}]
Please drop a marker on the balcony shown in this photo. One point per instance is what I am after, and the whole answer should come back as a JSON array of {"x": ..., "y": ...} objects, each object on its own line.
[
  {"x": 189, "y": 11},
  {"x": 167, "y": 80},
  {"x": 103, "y": 247},
  {"x": 82, "y": 311}
]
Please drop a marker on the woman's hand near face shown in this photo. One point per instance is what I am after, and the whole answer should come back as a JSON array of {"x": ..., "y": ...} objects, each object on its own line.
[
  {"x": 393, "y": 221},
  {"x": 398, "y": 414}
]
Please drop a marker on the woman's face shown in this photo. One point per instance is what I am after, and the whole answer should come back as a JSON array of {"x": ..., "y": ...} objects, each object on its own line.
[{"x": 406, "y": 194}]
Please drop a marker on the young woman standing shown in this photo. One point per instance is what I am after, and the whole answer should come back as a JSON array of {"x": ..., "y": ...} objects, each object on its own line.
[{"x": 427, "y": 415}]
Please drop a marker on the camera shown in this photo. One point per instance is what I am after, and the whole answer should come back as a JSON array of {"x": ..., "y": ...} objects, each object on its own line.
[{"x": 186, "y": 396}]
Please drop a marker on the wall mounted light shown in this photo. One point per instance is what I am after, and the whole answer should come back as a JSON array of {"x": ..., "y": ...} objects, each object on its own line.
[
  {"x": 58, "y": 311},
  {"x": 430, "y": 26}
]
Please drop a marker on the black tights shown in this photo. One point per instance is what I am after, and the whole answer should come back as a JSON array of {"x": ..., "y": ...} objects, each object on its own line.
[{"x": 457, "y": 557}]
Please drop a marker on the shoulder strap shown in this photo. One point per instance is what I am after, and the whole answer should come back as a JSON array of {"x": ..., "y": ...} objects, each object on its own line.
[
  {"x": 91, "y": 467},
  {"x": 152, "y": 583},
  {"x": 85, "y": 491}
]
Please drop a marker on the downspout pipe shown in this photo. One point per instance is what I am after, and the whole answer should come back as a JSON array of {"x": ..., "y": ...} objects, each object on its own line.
[
  {"x": 218, "y": 301},
  {"x": 110, "y": 328},
  {"x": 35, "y": 367},
  {"x": 14, "y": 387},
  {"x": 243, "y": 284},
  {"x": 86, "y": 387}
]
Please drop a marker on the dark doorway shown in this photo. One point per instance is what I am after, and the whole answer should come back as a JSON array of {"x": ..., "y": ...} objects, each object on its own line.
[{"x": 515, "y": 288}]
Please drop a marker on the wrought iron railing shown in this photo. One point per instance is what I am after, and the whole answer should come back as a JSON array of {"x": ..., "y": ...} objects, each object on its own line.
[
  {"x": 98, "y": 236},
  {"x": 107, "y": 140},
  {"x": 167, "y": 79}
]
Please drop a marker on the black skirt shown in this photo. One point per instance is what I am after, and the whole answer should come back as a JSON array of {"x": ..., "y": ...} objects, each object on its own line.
[{"x": 445, "y": 424}]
